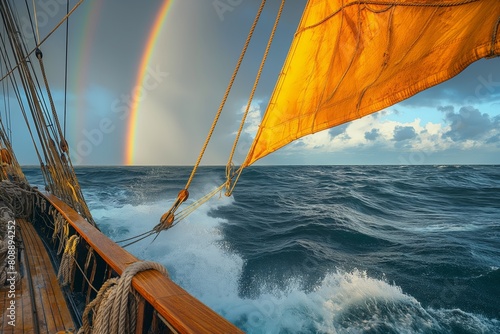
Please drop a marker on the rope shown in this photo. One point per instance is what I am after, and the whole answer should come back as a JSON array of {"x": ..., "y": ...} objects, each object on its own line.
[
  {"x": 61, "y": 231},
  {"x": 182, "y": 215},
  {"x": 229, "y": 188},
  {"x": 66, "y": 70},
  {"x": 67, "y": 267},
  {"x": 226, "y": 94},
  {"x": 90, "y": 255},
  {"x": 49, "y": 94},
  {"x": 167, "y": 219},
  {"x": 36, "y": 23},
  {"x": 42, "y": 41},
  {"x": 17, "y": 197},
  {"x": 113, "y": 309},
  {"x": 59, "y": 172}
]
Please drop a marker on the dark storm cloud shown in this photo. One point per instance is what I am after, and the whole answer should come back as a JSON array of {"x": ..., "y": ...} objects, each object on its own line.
[
  {"x": 372, "y": 135},
  {"x": 404, "y": 133},
  {"x": 468, "y": 123}
]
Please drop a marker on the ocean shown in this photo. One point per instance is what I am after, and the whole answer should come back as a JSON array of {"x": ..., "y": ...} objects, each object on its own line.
[{"x": 320, "y": 249}]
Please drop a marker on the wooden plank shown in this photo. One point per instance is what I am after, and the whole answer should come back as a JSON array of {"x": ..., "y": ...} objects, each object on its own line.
[
  {"x": 184, "y": 312},
  {"x": 47, "y": 299},
  {"x": 51, "y": 307}
]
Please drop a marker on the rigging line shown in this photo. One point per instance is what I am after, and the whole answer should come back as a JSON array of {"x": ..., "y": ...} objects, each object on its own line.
[
  {"x": 23, "y": 111},
  {"x": 195, "y": 205},
  {"x": 226, "y": 94},
  {"x": 134, "y": 237},
  {"x": 49, "y": 94},
  {"x": 30, "y": 19},
  {"x": 39, "y": 92},
  {"x": 144, "y": 237},
  {"x": 6, "y": 105},
  {"x": 23, "y": 49},
  {"x": 6, "y": 61},
  {"x": 168, "y": 217},
  {"x": 40, "y": 95},
  {"x": 44, "y": 39},
  {"x": 230, "y": 188},
  {"x": 27, "y": 84},
  {"x": 57, "y": 165},
  {"x": 66, "y": 71},
  {"x": 83, "y": 273},
  {"x": 36, "y": 23}
]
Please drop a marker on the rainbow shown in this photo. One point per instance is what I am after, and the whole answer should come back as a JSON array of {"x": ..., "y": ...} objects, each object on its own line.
[{"x": 141, "y": 74}]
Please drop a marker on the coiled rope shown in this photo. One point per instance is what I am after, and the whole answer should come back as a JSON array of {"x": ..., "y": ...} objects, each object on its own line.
[{"x": 113, "y": 309}]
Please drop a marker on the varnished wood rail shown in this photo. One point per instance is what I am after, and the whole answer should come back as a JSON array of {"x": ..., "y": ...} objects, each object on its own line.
[{"x": 182, "y": 312}]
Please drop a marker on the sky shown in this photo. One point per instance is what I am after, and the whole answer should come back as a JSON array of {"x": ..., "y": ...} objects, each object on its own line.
[{"x": 142, "y": 94}]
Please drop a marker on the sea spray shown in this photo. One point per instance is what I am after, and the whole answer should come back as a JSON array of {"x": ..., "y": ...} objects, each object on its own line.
[{"x": 280, "y": 257}]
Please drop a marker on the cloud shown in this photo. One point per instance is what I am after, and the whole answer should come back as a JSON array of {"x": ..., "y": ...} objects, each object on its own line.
[
  {"x": 387, "y": 139},
  {"x": 493, "y": 139},
  {"x": 402, "y": 133},
  {"x": 469, "y": 124},
  {"x": 338, "y": 130},
  {"x": 372, "y": 135}
]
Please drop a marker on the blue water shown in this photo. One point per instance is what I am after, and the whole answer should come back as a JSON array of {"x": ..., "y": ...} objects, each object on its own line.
[{"x": 321, "y": 249}]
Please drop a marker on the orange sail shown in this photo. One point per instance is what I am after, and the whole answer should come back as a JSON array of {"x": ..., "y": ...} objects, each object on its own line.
[{"x": 352, "y": 58}]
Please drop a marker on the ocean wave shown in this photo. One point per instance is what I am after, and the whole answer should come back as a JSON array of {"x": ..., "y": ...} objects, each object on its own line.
[
  {"x": 279, "y": 256},
  {"x": 350, "y": 302}
]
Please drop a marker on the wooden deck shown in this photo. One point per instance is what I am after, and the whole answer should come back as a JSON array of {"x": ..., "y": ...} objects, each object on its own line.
[{"x": 40, "y": 306}]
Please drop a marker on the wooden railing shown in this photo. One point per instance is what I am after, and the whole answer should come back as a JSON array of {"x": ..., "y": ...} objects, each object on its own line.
[{"x": 165, "y": 307}]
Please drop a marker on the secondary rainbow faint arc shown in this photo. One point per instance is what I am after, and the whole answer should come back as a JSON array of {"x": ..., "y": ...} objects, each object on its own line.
[{"x": 141, "y": 74}]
